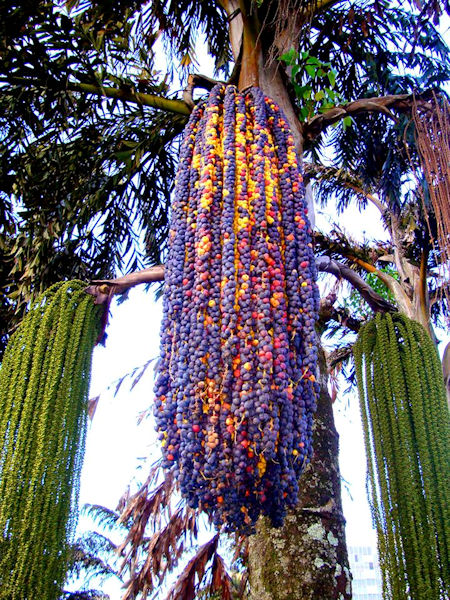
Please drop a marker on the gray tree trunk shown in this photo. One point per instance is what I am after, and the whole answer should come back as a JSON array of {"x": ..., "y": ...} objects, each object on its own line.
[{"x": 306, "y": 559}]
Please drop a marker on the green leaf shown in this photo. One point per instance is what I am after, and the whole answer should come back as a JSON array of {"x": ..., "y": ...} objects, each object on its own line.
[
  {"x": 295, "y": 70},
  {"x": 312, "y": 60},
  {"x": 299, "y": 89},
  {"x": 290, "y": 57},
  {"x": 331, "y": 78},
  {"x": 326, "y": 106},
  {"x": 311, "y": 70},
  {"x": 347, "y": 122},
  {"x": 303, "y": 114}
]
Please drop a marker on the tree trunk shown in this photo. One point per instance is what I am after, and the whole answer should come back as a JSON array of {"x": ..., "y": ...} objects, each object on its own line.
[{"x": 307, "y": 559}]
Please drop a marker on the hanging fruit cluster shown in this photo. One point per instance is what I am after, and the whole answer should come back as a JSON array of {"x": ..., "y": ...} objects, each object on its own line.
[
  {"x": 237, "y": 386},
  {"x": 44, "y": 385},
  {"x": 407, "y": 434}
]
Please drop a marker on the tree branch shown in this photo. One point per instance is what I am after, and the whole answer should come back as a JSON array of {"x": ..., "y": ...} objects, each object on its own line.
[
  {"x": 103, "y": 290},
  {"x": 338, "y": 356},
  {"x": 125, "y": 94},
  {"x": 383, "y": 104},
  {"x": 390, "y": 282},
  {"x": 354, "y": 255},
  {"x": 345, "y": 179},
  {"x": 328, "y": 312},
  {"x": 197, "y": 81},
  {"x": 341, "y": 271}
]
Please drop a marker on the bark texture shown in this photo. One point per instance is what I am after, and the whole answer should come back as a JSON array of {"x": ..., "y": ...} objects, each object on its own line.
[{"x": 306, "y": 559}]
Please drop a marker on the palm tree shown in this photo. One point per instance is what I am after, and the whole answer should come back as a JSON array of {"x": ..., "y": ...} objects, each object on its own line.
[
  {"x": 89, "y": 134},
  {"x": 93, "y": 555}
]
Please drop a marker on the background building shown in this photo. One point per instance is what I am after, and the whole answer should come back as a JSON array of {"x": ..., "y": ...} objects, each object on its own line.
[{"x": 366, "y": 572}]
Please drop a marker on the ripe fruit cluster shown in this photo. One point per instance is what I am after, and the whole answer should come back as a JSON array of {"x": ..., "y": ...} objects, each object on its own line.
[{"x": 236, "y": 388}]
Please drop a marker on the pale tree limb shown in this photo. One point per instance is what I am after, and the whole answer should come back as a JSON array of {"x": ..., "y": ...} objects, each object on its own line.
[
  {"x": 125, "y": 94},
  {"x": 346, "y": 179},
  {"x": 103, "y": 290},
  {"x": 400, "y": 295},
  {"x": 383, "y": 104},
  {"x": 390, "y": 282},
  {"x": 197, "y": 81},
  {"x": 341, "y": 271}
]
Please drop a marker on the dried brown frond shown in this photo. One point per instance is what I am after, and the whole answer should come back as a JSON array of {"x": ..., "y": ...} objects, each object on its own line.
[
  {"x": 286, "y": 21},
  {"x": 147, "y": 506},
  {"x": 157, "y": 533},
  {"x": 221, "y": 582},
  {"x": 162, "y": 552},
  {"x": 187, "y": 584},
  {"x": 432, "y": 128},
  {"x": 135, "y": 375},
  {"x": 240, "y": 543}
]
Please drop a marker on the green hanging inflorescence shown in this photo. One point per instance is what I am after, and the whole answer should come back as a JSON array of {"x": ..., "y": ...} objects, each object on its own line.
[
  {"x": 406, "y": 428},
  {"x": 44, "y": 383}
]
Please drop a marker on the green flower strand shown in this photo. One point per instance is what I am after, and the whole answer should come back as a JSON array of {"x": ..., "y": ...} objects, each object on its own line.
[
  {"x": 417, "y": 367},
  {"x": 437, "y": 429},
  {"x": 40, "y": 485},
  {"x": 406, "y": 432},
  {"x": 388, "y": 458},
  {"x": 44, "y": 384},
  {"x": 54, "y": 374},
  {"x": 413, "y": 513}
]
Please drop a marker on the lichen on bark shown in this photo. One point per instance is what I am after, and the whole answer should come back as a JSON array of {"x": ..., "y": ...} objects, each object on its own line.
[{"x": 306, "y": 559}]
